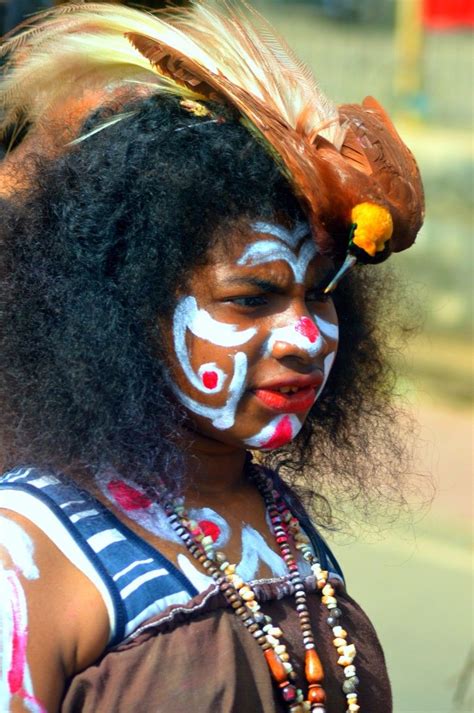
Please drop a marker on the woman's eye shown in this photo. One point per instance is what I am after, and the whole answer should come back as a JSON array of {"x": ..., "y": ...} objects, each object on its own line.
[{"x": 248, "y": 301}]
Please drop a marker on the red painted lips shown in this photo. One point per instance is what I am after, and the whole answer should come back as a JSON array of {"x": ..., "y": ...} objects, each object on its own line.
[{"x": 296, "y": 402}]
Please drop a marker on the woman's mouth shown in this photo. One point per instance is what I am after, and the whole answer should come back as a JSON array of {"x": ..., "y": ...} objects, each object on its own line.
[{"x": 288, "y": 399}]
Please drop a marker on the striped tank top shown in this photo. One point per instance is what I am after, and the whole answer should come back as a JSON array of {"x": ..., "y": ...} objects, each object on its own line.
[{"x": 135, "y": 581}]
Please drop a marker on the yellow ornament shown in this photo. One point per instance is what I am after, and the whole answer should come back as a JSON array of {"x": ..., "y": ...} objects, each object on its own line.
[{"x": 374, "y": 227}]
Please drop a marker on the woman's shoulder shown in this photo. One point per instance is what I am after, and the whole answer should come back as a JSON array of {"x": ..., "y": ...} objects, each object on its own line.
[{"x": 47, "y": 632}]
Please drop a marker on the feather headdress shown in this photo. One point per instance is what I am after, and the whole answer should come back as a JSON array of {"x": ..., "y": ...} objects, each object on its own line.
[{"x": 356, "y": 179}]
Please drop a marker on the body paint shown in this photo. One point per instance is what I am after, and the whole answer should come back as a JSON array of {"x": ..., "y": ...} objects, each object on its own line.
[
  {"x": 135, "y": 504},
  {"x": 15, "y": 678}
]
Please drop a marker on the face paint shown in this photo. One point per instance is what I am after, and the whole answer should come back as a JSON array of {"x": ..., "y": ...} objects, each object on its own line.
[
  {"x": 277, "y": 433},
  {"x": 200, "y": 323},
  {"x": 15, "y": 677},
  {"x": 303, "y": 334},
  {"x": 226, "y": 374},
  {"x": 222, "y": 417},
  {"x": 270, "y": 251},
  {"x": 290, "y": 237}
]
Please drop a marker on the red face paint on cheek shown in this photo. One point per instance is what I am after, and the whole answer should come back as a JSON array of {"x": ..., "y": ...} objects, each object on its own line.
[
  {"x": 283, "y": 434},
  {"x": 210, "y": 528},
  {"x": 308, "y": 329},
  {"x": 209, "y": 379},
  {"x": 127, "y": 497}
]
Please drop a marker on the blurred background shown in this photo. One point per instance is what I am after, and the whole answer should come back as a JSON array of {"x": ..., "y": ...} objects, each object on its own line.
[{"x": 415, "y": 578}]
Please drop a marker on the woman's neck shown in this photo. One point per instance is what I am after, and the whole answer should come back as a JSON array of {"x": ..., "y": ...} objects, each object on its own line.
[{"x": 215, "y": 469}]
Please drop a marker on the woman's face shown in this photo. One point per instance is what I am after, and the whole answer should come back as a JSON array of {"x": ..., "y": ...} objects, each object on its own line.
[{"x": 252, "y": 339}]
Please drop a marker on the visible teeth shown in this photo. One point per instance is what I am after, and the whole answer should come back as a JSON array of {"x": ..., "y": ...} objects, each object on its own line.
[{"x": 289, "y": 389}]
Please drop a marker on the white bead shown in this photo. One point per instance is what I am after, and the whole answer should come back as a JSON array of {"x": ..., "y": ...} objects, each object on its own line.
[
  {"x": 275, "y": 631},
  {"x": 344, "y": 661},
  {"x": 350, "y": 671},
  {"x": 349, "y": 650},
  {"x": 272, "y": 640},
  {"x": 280, "y": 649}
]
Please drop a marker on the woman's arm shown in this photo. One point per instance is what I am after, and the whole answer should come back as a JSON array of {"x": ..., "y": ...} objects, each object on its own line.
[{"x": 53, "y": 621}]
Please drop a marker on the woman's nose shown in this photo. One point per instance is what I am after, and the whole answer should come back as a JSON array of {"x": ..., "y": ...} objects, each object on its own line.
[{"x": 299, "y": 339}]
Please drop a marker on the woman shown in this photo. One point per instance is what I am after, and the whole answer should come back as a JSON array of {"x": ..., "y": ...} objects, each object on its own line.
[{"x": 184, "y": 207}]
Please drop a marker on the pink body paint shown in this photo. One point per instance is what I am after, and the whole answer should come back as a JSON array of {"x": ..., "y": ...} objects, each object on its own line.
[
  {"x": 210, "y": 528},
  {"x": 14, "y": 670},
  {"x": 127, "y": 497}
]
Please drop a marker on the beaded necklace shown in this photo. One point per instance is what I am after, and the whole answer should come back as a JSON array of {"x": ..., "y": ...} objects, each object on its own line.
[{"x": 242, "y": 599}]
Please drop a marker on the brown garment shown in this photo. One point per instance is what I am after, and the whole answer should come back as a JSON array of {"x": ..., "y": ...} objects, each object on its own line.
[{"x": 199, "y": 658}]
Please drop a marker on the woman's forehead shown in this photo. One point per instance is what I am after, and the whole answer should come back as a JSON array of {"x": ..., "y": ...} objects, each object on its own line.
[{"x": 269, "y": 236}]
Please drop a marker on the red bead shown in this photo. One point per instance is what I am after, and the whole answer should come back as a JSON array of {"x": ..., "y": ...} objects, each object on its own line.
[
  {"x": 316, "y": 694},
  {"x": 276, "y": 667},
  {"x": 289, "y": 693}
]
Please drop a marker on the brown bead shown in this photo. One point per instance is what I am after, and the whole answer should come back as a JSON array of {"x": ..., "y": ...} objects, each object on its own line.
[
  {"x": 313, "y": 667},
  {"x": 276, "y": 666},
  {"x": 316, "y": 694}
]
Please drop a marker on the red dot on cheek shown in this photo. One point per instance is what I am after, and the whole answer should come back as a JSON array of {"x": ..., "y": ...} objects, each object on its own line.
[
  {"x": 210, "y": 528},
  {"x": 209, "y": 379},
  {"x": 307, "y": 328}
]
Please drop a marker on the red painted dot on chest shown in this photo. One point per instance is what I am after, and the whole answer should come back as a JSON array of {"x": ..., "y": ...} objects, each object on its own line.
[
  {"x": 209, "y": 379},
  {"x": 307, "y": 328},
  {"x": 127, "y": 497},
  {"x": 210, "y": 528},
  {"x": 283, "y": 434}
]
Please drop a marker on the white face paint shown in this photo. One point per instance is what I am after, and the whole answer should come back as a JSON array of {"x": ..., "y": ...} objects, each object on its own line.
[
  {"x": 15, "y": 677},
  {"x": 303, "y": 334},
  {"x": 270, "y": 251},
  {"x": 297, "y": 250}
]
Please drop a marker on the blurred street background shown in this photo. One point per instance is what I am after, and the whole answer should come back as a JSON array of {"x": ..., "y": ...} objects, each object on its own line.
[{"x": 415, "y": 578}]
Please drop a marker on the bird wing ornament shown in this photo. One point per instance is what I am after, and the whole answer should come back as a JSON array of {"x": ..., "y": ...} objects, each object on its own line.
[{"x": 357, "y": 181}]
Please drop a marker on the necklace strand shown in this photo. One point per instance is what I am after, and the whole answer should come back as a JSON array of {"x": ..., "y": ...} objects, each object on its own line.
[{"x": 242, "y": 599}]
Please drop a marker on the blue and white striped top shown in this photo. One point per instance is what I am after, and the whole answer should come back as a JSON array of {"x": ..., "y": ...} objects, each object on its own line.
[{"x": 134, "y": 579}]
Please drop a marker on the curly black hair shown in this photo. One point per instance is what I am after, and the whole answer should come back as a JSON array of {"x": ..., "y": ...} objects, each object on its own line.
[{"x": 94, "y": 249}]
